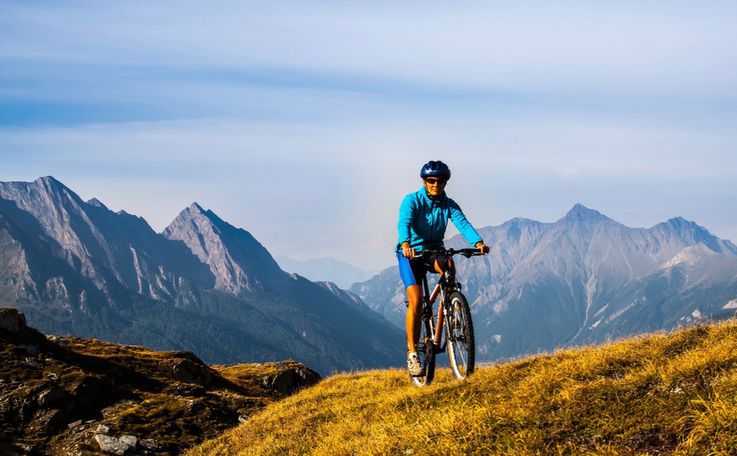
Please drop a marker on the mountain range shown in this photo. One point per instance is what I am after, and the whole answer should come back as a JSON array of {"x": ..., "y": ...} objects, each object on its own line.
[
  {"x": 202, "y": 284},
  {"x": 582, "y": 279},
  {"x": 75, "y": 266}
]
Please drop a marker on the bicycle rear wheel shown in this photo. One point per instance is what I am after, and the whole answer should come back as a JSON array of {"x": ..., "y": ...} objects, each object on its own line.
[
  {"x": 426, "y": 353},
  {"x": 459, "y": 332}
]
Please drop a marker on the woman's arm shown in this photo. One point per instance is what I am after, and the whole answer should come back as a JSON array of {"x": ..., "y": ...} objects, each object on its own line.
[
  {"x": 464, "y": 226},
  {"x": 406, "y": 213}
]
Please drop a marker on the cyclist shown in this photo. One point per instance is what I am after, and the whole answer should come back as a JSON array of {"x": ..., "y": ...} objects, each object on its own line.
[{"x": 423, "y": 217}]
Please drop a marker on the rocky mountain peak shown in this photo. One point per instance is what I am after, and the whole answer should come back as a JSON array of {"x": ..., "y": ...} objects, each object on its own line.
[
  {"x": 96, "y": 203},
  {"x": 44, "y": 184},
  {"x": 194, "y": 209},
  {"x": 42, "y": 190},
  {"x": 681, "y": 224},
  {"x": 581, "y": 213},
  {"x": 236, "y": 259},
  {"x": 694, "y": 233},
  {"x": 196, "y": 219},
  {"x": 50, "y": 181},
  {"x": 196, "y": 214}
]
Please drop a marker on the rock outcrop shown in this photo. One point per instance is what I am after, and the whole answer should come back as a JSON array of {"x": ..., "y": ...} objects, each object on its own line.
[
  {"x": 11, "y": 320},
  {"x": 68, "y": 395},
  {"x": 290, "y": 378}
]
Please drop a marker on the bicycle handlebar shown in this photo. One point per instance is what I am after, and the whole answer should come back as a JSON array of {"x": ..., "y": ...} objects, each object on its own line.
[{"x": 465, "y": 252}]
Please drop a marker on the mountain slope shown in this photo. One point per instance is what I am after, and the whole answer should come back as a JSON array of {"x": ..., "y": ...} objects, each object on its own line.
[
  {"x": 295, "y": 312},
  {"x": 660, "y": 394},
  {"x": 584, "y": 278},
  {"x": 115, "y": 251},
  {"x": 235, "y": 258},
  {"x": 67, "y": 395},
  {"x": 202, "y": 285}
]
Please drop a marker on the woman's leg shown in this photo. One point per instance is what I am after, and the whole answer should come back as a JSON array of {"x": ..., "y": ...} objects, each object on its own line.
[
  {"x": 443, "y": 264},
  {"x": 412, "y": 323},
  {"x": 414, "y": 299}
]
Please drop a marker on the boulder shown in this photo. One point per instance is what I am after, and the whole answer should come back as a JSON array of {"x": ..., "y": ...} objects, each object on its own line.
[
  {"x": 111, "y": 444},
  {"x": 11, "y": 320},
  {"x": 131, "y": 440},
  {"x": 291, "y": 379},
  {"x": 190, "y": 369},
  {"x": 87, "y": 390},
  {"x": 51, "y": 396}
]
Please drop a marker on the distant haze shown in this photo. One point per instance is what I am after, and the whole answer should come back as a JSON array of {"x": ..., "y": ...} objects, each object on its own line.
[
  {"x": 306, "y": 123},
  {"x": 326, "y": 269}
]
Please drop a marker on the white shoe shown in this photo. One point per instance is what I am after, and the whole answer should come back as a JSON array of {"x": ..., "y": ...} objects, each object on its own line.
[{"x": 413, "y": 364}]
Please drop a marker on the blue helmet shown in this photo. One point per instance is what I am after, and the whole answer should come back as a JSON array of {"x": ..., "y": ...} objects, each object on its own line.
[{"x": 435, "y": 169}]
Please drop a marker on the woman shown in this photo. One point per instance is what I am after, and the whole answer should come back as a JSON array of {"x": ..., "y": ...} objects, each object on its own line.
[{"x": 423, "y": 218}]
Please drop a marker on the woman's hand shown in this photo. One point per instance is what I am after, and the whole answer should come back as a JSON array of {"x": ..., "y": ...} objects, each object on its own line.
[
  {"x": 407, "y": 251},
  {"x": 483, "y": 247}
]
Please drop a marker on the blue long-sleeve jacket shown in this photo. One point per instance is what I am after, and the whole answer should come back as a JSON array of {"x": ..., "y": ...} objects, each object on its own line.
[{"x": 422, "y": 221}]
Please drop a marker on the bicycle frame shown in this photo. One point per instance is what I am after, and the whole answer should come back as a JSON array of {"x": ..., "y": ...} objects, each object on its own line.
[
  {"x": 435, "y": 321},
  {"x": 452, "y": 317}
]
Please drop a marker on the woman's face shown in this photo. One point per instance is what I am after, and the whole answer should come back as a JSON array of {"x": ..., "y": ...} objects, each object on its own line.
[{"x": 435, "y": 186}]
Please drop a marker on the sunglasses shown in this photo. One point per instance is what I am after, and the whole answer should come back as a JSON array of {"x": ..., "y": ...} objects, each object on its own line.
[{"x": 435, "y": 180}]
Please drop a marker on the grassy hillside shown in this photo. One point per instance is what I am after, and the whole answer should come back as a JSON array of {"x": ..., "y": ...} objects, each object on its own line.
[{"x": 659, "y": 394}]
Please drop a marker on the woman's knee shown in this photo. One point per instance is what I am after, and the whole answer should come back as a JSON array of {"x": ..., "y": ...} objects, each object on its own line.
[
  {"x": 414, "y": 295},
  {"x": 443, "y": 264}
]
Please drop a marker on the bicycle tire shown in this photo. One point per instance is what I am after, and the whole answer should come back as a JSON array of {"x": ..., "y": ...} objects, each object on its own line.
[
  {"x": 460, "y": 336},
  {"x": 426, "y": 353}
]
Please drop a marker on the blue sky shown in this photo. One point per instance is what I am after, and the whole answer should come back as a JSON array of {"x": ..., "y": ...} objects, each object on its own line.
[{"x": 307, "y": 122}]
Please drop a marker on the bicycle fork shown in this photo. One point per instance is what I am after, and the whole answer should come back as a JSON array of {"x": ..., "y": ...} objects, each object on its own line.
[{"x": 439, "y": 327}]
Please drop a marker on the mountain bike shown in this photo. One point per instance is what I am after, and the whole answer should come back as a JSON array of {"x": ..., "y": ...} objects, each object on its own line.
[{"x": 454, "y": 315}]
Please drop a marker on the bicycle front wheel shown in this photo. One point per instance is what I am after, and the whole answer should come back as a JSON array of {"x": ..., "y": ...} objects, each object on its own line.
[
  {"x": 459, "y": 331},
  {"x": 426, "y": 353}
]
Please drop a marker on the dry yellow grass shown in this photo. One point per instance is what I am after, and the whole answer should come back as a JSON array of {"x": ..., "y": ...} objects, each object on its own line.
[
  {"x": 249, "y": 376},
  {"x": 661, "y": 394}
]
